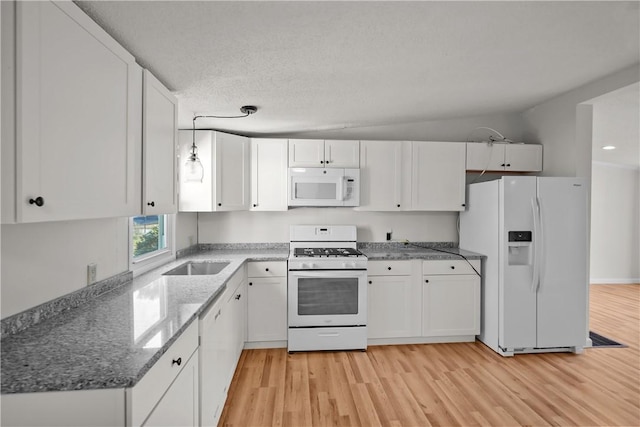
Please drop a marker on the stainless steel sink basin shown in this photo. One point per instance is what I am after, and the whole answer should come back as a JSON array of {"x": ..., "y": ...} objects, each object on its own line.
[{"x": 197, "y": 269}]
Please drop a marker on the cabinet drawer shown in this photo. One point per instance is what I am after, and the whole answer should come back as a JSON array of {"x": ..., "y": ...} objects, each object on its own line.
[
  {"x": 457, "y": 266},
  {"x": 389, "y": 268},
  {"x": 149, "y": 390},
  {"x": 267, "y": 269}
]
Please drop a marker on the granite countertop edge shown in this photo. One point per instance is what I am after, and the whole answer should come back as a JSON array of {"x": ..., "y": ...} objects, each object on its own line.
[{"x": 236, "y": 257}]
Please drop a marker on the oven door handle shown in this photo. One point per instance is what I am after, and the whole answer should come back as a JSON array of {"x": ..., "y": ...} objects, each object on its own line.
[{"x": 329, "y": 273}]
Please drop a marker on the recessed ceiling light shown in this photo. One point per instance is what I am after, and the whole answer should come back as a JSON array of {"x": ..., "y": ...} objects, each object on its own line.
[{"x": 609, "y": 147}]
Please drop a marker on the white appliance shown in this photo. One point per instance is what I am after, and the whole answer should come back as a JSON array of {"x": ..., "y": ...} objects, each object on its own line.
[
  {"x": 534, "y": 234},
  {"x": 327, "y": 289},
  {"x": 324, "y": 187}
]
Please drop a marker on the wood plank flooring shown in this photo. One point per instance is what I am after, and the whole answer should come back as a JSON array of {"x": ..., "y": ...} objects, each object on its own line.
[{"x": 449, "y": 384}]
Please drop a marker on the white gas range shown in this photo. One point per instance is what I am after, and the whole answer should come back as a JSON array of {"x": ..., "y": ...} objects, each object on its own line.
[{"x": 327, "y": 289}]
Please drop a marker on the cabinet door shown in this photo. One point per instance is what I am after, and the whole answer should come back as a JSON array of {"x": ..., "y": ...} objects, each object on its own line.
[
  {"x": 269, "y": 174},
  {"x": 482, "y": 156},
  {"x": 438, "y": 176},
  {"x": 341, "y": 153},
  {"x": 179, "y": 405},
  {"x": 159, "y": 142},
  {"x": 306, "y": 153},
  {"x": 78, "y": 117},
  {"x": 237, "y": 325},
  {"x": 523, "y": 157},
  {"x": 451, "y": 305},
  {"x": 212, "y": 357},
  {"x": 267, "y": 309},
  {"x": 232, "y": 172},
  {"x": 381, "y": 177},
  {"x": 394, "y": 307}
]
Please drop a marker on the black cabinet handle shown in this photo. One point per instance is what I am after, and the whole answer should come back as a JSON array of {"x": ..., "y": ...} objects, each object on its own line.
[
  {"x": 266, "y": 269},
  {"x": 503, "y": 165},
  {"x": 370, "y": 282},
  {"x": 250, "y": 283},
  {"x": 508, "y": 165},
  {"x": 464, "y": 204},
  {"x": 177, "y": 361},
  {"x": 238, "y": 296},
  {"x": 426, "y": 280},
  {"x": 453, "y": 267},
  {"x": 255, "y": 204},
  {"x": 219, "y": 204},
  {"x": 151, "y": 204},
  {"x": 388, "y": 268},
  {"x": 38, "y": 201},
  {"x": 322, "y": 162},
  {"x": 398, "y": 205}
]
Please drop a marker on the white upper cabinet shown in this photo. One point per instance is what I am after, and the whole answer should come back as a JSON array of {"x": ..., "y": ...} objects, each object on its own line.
[
  {"x": 385, "y": 178},
  {"x": 438, "y": 176},
  {"x": 268, "y": 174},
  {"x": 318, "y": 153},
  {"x": 78, "y": 118},
  {"x": 504, "y": 157},
  {"x": 341, "y": 154},
  {"x": 159, "y": 143},
  {"x": 226, "y": 161}
]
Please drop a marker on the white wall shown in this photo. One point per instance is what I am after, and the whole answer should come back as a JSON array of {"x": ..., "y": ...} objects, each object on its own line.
[
  {"x": 260, "y": 227},
  {"x": 186, "y": 229},
  {"x": 553, "y": 124},
  {"x": 44, "y": 261},
  {"x": 615, "y": 224}
]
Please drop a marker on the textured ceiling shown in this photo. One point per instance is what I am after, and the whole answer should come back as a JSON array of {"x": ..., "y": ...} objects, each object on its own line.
[{"x": 325, "y": 65}]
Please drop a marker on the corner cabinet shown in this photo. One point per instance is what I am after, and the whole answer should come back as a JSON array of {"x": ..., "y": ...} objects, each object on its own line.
[
  {"x": 159, "y": 145},
  {"x": 320, "y": 153},
  {"x": 226, "y": 161},
  {"x": 76, "y": 133},
  {"x": 497, "y": 157},
  {"x": 268, "y": 174},
  {"x": 385, "y": 176},
  {"x": 438, "y": 176},
  {"x": 451, "y": 298}
]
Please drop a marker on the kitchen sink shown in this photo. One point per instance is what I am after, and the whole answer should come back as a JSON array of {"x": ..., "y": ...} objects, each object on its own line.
[{"x": 197, "y": 269}]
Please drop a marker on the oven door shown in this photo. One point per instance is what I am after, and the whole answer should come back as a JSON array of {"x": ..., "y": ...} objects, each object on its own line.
[{"x": 327, "y": 298}]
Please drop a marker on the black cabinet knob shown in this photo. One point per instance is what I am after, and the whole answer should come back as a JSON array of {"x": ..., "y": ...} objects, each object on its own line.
[
  {"x": 219, "y": 204},
  {"x": 453, "y": 267},
  {"x": 255, "y": 204},
  {"x": 322, "y": 162},
  {"x": 503, "y": 165},
  {"x": 151, "y": 204},
  {"x": 464, "y": 204},
  {"x": 426, "y": 280},
  {"x": 38, "y": 201},
  {"x": 370, "y": 282},
  {"x": 250, "y": 283},
  {"x": 508, "y": 165},
  {"x": 398, "y": 205},
  {"x": 266, "y": 269},
  {"x": 177, "y": 361},
  {"x": 238, "y": 296},
  {"x": 388, "y": 268}
]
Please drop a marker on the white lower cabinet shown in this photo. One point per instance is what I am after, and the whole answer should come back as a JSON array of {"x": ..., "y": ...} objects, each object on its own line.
[
  {"x": 171, "y": 382},
  {"x": 394, "y": 300},
  {"x": 267, "y": 305},
  {"x": 179, "y": 405},
  {"x": 450, "y": 298}
]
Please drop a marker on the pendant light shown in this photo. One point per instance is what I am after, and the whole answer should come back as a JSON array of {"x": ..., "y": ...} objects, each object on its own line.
[{"x": 193, "y": 169}]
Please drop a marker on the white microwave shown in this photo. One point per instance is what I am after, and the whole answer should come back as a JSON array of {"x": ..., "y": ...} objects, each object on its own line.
[{"x": 324, "y": 187}]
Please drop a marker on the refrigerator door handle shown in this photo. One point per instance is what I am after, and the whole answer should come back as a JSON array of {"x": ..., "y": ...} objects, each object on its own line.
[
  {"x": 534, "y": 249},
  {"x": 540, "y": 246}
]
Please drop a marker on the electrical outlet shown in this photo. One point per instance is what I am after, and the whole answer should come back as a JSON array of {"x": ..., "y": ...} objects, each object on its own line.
[
  {"x": 389, "y": 235},
  {"x": 92, "y": 272}
]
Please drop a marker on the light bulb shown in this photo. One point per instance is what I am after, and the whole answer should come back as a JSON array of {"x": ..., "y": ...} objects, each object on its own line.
[{"x": 193, "y": 170}]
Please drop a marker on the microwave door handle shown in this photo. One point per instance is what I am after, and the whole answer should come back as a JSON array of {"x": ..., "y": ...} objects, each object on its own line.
[{"x": 342, "y": 188}]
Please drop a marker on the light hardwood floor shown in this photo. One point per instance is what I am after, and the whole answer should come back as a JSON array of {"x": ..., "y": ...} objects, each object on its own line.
[{"x": 449, "y": 384}]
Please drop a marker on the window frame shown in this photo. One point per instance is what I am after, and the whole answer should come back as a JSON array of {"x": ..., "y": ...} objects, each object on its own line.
[{"x": 156, "y": 258}]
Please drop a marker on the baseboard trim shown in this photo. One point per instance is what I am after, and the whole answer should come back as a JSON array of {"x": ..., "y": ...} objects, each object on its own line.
[{"x": 635, "y": 281}]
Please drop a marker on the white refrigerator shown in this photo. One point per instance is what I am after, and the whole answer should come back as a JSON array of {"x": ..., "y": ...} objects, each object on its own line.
[{"x": 533, "y": 231}]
